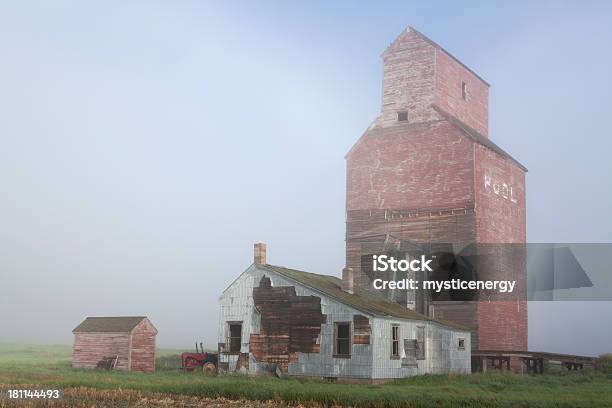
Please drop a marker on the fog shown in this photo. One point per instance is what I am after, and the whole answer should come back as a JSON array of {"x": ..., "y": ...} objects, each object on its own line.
[{"x": 146, "y": 146}]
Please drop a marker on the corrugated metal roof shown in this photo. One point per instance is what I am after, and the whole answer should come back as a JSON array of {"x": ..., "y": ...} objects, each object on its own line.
[
  {"x": 115, "y": 324},
  {"x": 360, "y": 300}
]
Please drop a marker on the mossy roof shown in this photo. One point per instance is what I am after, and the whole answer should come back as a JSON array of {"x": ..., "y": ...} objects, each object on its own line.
[
  {"x": 332, "y": 286},
  {"x": 113, "y": 324}
]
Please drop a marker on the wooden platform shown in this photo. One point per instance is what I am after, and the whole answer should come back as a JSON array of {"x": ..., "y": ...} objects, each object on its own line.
[{"x": 529, "y": 362}]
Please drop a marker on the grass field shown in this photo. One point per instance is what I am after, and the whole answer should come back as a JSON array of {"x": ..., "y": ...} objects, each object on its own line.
[{"x": 50, "y": 366}]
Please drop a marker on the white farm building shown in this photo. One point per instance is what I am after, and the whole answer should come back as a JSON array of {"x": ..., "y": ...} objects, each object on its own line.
[{"x": 304, "y": 324}]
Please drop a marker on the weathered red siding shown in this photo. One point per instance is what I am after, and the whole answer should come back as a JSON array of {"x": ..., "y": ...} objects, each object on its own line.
[
  {"x": 408, "y": 79},
  {"x": 473, "y": 111},
  {"x": 500, "y": 218},
  {"x": 430, "y": 179},
  {"x": 500, "y": 198},
  {"x": 142, "y": 357},
  {"x": 135, "y": 349},
  {"x": 410, "y": 166},
  {"x": 89, "y": 348}
]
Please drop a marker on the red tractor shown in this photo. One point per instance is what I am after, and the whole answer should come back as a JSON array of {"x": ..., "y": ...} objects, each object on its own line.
[{"x": 201, "y": 360}]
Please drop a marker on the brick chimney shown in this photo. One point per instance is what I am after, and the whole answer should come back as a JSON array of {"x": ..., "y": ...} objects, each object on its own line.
[
  {"x": 348, "y": 280},
  {"x": 259, "y": 253}
]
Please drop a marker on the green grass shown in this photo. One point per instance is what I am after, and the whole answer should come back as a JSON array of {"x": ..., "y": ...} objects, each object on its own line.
[{"x": 50, "y": 365}]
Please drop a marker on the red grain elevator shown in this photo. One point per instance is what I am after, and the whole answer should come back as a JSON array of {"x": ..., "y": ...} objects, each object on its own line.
[{"x": 425, "y": 172}]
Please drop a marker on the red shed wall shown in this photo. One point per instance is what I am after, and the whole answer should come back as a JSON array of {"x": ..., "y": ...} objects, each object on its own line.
[
  {"x": 89, "y": 348},
  {"x": 143, "y": 347}
]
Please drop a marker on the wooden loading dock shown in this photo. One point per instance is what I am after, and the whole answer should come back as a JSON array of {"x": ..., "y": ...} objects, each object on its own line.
[{"x": 532, "y": 362}]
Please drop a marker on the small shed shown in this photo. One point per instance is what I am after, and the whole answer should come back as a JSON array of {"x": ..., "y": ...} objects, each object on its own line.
[{"x": 128, "y": 339}]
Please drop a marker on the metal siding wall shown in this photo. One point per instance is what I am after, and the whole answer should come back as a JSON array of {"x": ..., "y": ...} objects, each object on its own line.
[
  {"x": 236, "y": 304},
  {"x": 441, "y": 349},
  {"x": 367, "y": 360},
  {"x": 324, "y": 364}
]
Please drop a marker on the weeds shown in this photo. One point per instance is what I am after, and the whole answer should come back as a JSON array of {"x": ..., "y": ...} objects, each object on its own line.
[{"x": 576, "y": 389}]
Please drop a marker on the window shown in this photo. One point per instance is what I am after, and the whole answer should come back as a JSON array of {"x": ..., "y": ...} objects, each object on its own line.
[
  {"x": 234, "y": 337},
  {"x": 395, "y": 342},
  {"x": 342, "y": 344},
  {"x": 402, "y": 116},
  {"x": 463, "y": 90},
  {"x": 461, "y": 344},
  {"x": 420, "y": 342},
  {"x": 410, "y": 351}
]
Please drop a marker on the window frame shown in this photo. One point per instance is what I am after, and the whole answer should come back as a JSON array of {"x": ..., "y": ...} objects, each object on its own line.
[
  {"x": 349, "y": 339},
  {"x": 402, "y": 114},
  {"x": 421, "y": 346},
  {"x": 395, "y": 330},
  {"x": 229, "y": 337},
  {"x": 464, "y": 90}
]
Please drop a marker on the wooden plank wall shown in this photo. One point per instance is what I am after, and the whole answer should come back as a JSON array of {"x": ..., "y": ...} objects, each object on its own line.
[
  {"x": 289, "y": 324},
  {"x": 366, "y": 232},
  {"x": 464, "y": 313},
  {"x": 361, "y": 329},
  {"x": 143, "y": 347},
  {"x": 89, "y": 348},
  {"x": 433, "y": 228}
]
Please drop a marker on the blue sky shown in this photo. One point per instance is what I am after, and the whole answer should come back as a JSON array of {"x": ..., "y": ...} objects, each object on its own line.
[{"x": 147, "y": 145}]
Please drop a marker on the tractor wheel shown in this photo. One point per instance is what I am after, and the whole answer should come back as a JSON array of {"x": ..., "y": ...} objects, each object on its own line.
[{"x": 208, "y": 368}]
